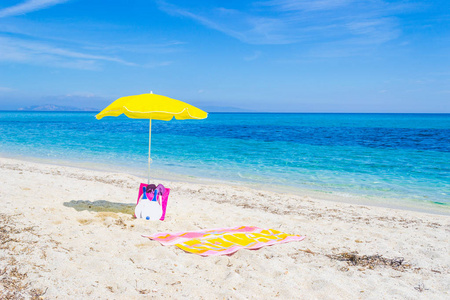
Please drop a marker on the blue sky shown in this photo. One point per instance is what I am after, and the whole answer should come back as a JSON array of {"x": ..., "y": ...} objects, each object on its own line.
[{"x": 263, "y": 55}]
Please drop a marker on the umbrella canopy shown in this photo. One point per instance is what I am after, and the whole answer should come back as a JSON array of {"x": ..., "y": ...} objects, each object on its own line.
[{"x": 152, "y": 106}]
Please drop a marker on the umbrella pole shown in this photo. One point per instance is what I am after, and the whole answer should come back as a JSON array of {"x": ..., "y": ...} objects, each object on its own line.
[{"x": 149, "y": 149}]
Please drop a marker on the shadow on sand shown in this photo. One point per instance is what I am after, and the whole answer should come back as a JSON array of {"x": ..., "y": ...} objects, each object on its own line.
[{"x": 101, "y": 206}]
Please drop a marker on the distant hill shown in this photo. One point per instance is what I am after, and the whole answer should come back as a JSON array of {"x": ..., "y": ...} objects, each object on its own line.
[
  {"x": 53, "y": 107},
  {"x": 224, "y": 109}
]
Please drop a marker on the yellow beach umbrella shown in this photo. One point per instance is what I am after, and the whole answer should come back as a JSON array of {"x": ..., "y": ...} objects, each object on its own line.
[{"x": 151, "y": 106}]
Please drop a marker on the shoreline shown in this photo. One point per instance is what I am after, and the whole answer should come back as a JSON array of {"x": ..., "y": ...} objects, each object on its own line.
[
  {"x": 333, "y": 196},
  {"x": 70, "y": 233}
]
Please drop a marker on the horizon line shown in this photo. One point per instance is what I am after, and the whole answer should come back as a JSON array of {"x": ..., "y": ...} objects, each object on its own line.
[{"x": 231, "y": 112}]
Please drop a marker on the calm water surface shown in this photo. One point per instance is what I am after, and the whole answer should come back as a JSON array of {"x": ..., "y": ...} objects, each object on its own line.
[{"x": 400, "y": 156}]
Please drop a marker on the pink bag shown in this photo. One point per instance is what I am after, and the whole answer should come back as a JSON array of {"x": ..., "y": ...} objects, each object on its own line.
[{"x": 162, "y": 199}]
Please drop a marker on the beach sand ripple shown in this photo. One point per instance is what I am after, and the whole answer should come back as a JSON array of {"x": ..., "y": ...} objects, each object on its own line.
[{"x": 69, "y": 233}]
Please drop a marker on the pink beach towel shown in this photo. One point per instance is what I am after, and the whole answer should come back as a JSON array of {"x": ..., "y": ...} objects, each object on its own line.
[
  {"x": 224, "y": 241},
  {"x": 162, "y": 200}
]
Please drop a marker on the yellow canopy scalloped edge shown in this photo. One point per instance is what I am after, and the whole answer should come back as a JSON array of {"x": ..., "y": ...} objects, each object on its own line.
[{"x": 152, "y": 106}]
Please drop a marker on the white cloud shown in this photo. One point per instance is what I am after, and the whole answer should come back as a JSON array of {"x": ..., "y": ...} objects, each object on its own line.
[
  {"x": 56, "y": 45},
  {"x": 157, "y": 64},
  {"x": 20, "y": 50},
  {"x": 254, "y": 56},
  {"x": 5, "y": 89},
  {"x": 248, "y": 28},
  {"x": 28, "y": 6},
  {"x": 289, "y": 21},
  {"x": 307, "y": 5}
]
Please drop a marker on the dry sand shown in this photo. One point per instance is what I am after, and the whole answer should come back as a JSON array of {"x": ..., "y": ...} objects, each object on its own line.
[{"x": 68, "y": 233}]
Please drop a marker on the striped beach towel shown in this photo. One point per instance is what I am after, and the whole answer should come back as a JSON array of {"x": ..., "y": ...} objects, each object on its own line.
[{"x": 224, "y": 241}]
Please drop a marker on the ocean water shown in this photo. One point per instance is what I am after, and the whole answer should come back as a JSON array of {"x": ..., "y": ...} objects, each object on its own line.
[{"x": 399, "y": 157}]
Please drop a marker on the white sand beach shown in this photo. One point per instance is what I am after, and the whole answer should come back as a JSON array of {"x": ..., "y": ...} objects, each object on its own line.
[{"x": 69, "y": 233}]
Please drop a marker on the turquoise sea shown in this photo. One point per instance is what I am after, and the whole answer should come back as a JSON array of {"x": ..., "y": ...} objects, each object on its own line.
[{"x": 403, "y": 158}]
